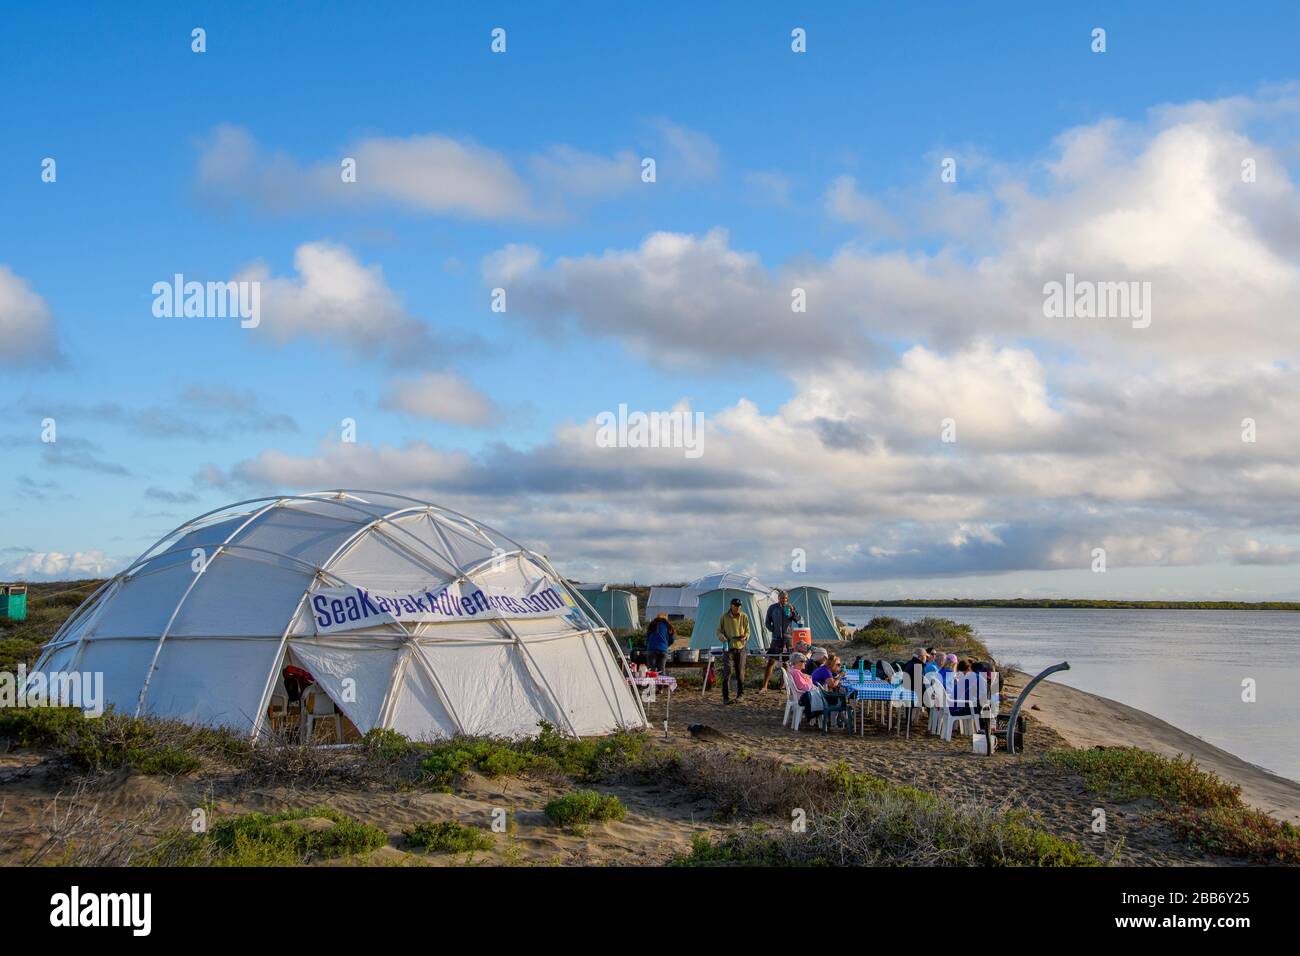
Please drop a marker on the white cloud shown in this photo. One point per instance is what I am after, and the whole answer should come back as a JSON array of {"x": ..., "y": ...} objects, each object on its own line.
[
  {"x": 436, "y": 174},
  {"x": 428, "y": 173},
  {"x": 444, "y": 397},
  {"x": 55, "y": 565},
  {"x": 26, "y": 325},
  {"x": 336, "y": 299}
]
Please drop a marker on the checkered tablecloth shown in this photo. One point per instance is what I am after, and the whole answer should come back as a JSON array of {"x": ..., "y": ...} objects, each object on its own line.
[
  {"x": 660, "y": 681},
  {"x": 876, "y": 690}
]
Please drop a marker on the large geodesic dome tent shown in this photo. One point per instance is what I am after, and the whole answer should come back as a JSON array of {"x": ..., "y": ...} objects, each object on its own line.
[{"x": 409, "y": 616}]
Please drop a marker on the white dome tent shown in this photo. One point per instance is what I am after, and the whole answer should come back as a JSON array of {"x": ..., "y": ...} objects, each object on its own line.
[
  {"x": 682, "y": 602},
  {"x": 408, "y": 615}
]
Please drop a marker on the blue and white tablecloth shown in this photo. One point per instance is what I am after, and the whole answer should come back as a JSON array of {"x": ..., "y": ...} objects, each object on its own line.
[{"x": 876, "y": 689}]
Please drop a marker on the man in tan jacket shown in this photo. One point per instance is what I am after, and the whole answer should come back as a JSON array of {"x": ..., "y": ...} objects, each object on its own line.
[{"x": 733, "y": 632}]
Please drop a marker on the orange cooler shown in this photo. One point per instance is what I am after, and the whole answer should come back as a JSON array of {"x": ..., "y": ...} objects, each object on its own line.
[{"x": 800, "y": 639}]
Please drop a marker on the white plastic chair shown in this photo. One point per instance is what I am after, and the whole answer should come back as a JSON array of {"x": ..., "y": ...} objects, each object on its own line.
[
  {"x": 948, "y": 720},
  {"x": 792, "y": 708},
  {"x": 317, "y": 706},
  {"x": 931, "y": 694}
]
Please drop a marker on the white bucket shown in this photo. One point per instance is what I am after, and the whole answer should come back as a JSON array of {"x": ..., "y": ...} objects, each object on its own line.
[{"x": 980, "y": 744}]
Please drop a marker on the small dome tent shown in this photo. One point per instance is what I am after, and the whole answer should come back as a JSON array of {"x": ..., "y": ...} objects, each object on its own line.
[
  {"x": 617, "y": 609},
  {"x": 407, "y": 615},
  {"x": 711, "y": 607},
  {"x": 681, "y": 602},
  {"x": 814, "y": 607}
]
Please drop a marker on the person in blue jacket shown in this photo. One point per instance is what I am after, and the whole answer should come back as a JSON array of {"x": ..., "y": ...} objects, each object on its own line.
[
  {"x": 659, "y": 636},
  {"x": 781, "y": 616}
]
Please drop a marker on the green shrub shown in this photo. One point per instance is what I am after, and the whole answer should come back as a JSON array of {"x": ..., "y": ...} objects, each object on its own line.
[
  {"x": 113, "y": 740},
  {"x": 584, "y": 806},
  {"x": 386, "y": 745},
  {"x": 163, "y": 760},
  {"x": 259, "y": 839},
  {"x": 587, "y": 759},
  {"x": 449, "y": 836},
  {"x": 1127, "y": 773}
]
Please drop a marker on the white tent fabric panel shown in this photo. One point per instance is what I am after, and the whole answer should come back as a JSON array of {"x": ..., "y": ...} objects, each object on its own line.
[
  {"x": 579, "y": 675},
  {"x": 205, "y": 681},
  {"x": 124, "y": 664},
  {"x": 417, "y": 709},
  {"x": 242, "y": 596},
  {"x": 142, "y": 604},
  {"x": 389, "y": 560},
  {"x": 310, "y": 538},
  {"x": 369, "y": 669},
  {"x": 489, "y": 688}
]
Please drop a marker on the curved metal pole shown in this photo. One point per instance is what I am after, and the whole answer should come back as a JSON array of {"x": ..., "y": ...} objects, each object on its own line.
[{"x": 1020, "y": 700}]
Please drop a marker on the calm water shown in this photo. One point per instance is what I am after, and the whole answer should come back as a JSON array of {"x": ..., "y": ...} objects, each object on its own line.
[{"x": 1185, "y": 667}]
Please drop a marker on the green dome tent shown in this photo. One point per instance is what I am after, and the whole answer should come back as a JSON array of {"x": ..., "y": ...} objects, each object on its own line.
[
  {"x": 616, "y": 608},
  {"x": 814, "y": 607},
  {"x": 711, "y": 607}
]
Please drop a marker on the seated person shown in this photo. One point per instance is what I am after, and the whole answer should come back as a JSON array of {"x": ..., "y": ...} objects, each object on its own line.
[
  {"x": 827, "y": 676},
  {"x": 802, "y": 682},
  {"x": 962, "y": 690},
  {"x": 816, "y": 657}
]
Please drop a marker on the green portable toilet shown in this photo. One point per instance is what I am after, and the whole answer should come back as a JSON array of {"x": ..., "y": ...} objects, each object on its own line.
[{"x": 16, "y": 601}]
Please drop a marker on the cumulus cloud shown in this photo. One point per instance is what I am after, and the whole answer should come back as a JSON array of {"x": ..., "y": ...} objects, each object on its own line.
[
  {"x": 56, "y": 565},
  {"x": 336, "y": 299},
  {"x": 444, "y": 397},
  {"x": 667, "y": 296},
  {"x": 26, "y": 324}
]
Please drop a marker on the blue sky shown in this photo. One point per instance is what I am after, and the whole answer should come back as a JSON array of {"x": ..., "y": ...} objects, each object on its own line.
[{"x": 204, "y": 412}]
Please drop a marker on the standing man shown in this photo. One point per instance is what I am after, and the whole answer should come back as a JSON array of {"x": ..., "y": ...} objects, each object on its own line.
[
  {"x": 780, "y": 617},
  {"x": 733, "y": 632}
]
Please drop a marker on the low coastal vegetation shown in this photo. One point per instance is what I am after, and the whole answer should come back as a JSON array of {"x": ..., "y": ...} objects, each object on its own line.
[
  {"x": 576, "y": 809},
  {"x": 113, "y": 740},
  {"x": 1204, "y": 809},
  {"x": 889, "y": 637},
  {"x": 841, "y": 818},
  {"x": 293, "y": 838},
  {"x": 448, "y": 836}
]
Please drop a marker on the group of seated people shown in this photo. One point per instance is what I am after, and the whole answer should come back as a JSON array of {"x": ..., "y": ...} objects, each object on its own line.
[
  {"x": 818, "y": 667},
  {"x": 824, "y": 670}
]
